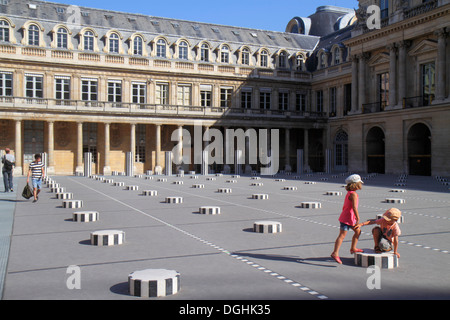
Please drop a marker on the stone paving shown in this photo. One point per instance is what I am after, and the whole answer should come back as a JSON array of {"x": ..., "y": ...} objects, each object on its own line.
[{"x": 220, "y": 256}]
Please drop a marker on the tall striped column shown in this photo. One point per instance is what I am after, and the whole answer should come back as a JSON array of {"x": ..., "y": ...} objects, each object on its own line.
[
  {"x": 129, "y": 164},
  {"x": 168, "y": 163},
  {"x": 299, "y": 161},
  {"x": 87, "y": 164}
]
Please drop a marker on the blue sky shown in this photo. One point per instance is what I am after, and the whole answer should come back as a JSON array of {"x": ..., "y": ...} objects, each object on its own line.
[{"x": 257, "y": 14}]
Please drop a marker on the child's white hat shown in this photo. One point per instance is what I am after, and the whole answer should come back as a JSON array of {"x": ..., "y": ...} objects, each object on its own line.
[{"x": 353, "y": 178}]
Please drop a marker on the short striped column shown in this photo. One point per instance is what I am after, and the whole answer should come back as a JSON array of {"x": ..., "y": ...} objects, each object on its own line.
[
  {"x": 290, "y": 188},
  {"x": 53, "y": 185},
  {"x": 260, "y": 196},
  {"x": 310, "y": 182},
  {"x": 401, "y": 220},
  {"x": 151, "y": 283},
  {"x": 224, "y": 190},
  {"x": 209, "y": 210},
  {"x": 151, "y": 193},
  {"x": 64, "y": 196},
  {"x": 70, "y": 204},
  {"x": 255, "y": 178},
  {"x": 384, "y": 260},
  {"x": 107, "y": 238},
  {"x": 397, "y": 190},
  {"x": 311, "y": 205},
  {"x": 231, "y": 181},
  {"x": 85, "y": 216},
  {"x": 149, "y": 178},
  {"x": 257, "y": 184},
  {"x": 280, "y": 180},
  {"x": 194, "y": 177},
  {"x": 174, "y": 199},
  {"x": 58, "y": 190},
  {"x": 198, "y": 186},
  {"x": 119, "y": 184},
  {"x": 395, "y": 200},
  {"x": 178, "y": 182},
  {"x": 267, "y": 227},
  {"x": 162, "y": 179},
  {"x": 132, "y": 188},
  {"x": 333, "y": 193},
  {"x": 211, "y": 179},
  {"x": 108, "y": 181}
]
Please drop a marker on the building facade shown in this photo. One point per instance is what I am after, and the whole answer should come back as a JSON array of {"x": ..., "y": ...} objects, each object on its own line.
[{"x": 76, "y": 80}]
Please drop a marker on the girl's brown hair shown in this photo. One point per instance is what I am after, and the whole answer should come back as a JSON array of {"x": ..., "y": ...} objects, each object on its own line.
[{"x": 352, "y": 186}]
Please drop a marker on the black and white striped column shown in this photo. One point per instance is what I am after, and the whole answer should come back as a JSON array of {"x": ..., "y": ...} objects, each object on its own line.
[
  {"x": 153, "y": 283},
  {"x": 129, "y": 164},
  {"x": 85, "y": 216},
  {"x": 267, "y": 227},
  {"x": 209, "y": 210},
  {"x": 107, "y": 238},
  {"x": 385, "y": 260},
  {"x": 71, "y": 204},
  {"x": 311, "y": 205},
  {"x": 174, "y": 199},
  {"x": 87, "y": 164},
  {"x": 168, "y": 168}
]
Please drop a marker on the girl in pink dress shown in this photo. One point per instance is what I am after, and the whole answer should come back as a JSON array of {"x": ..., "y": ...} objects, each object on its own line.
[{"x": 349, "y": 218}]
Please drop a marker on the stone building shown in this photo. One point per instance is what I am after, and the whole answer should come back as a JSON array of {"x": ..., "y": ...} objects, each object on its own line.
[{"x": 76, "y": 80}]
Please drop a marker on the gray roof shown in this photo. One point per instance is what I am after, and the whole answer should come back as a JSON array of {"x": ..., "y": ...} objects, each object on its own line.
[{"x": 49, "y": 14}]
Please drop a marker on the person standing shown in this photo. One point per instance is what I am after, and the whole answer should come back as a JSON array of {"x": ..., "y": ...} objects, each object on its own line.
[
  {"x": 36, "y": 171},
  {"x": 8, "y": 161}
]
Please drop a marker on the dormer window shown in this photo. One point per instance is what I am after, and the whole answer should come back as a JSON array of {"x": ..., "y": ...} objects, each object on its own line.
[
  {"x": 62, "y": 38},
  {"x": 33, "y": 35},
  {"x": 114, "y": 43}
]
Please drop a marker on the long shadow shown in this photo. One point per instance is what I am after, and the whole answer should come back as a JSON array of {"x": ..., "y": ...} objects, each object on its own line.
[{"x": 313, "y": 261}]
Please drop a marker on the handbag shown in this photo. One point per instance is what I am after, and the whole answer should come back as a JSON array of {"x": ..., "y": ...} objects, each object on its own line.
[{"x": 27, "y": 193}]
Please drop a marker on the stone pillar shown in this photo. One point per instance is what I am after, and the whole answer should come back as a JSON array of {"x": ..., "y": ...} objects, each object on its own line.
[
  {"x": 79, "y": 167},
  {"x": 107, "y": 167},
  {"x": 18, "y": 148},
  {"x": 354, "y": 84},
  {"x": 361, "y": 82},
  {"x": 158, "y": 169},
  {"x": 179, "y": 155},
  {"x": 287, "y": 150},
  {"x": 51, "y": 147},
  {"x": 392, "y": 75},
  {"x": 306, "y": 150},
  {"x": 440, "y": 65},
  {"x": 402, "y": 71},
  {"x": 133, "y": 145}
]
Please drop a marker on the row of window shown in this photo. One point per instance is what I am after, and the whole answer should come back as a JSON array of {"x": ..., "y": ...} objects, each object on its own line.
[
  {"x": 34, "y": 89},
  {"x": 33, "y": 36}
]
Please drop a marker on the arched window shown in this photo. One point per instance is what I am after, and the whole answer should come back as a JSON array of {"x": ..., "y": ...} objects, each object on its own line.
[
  {"x": 88, "y": 42},
  {"x": 114, "y": 43},
  {"x": 4, "y": 31},
  {"x": 282, "y": 60},
  {"x": 183, "y": 50},
  {"x": 62, "y": 38},
  {"x": 225, "y": 54},
  {"x": 299, "y": 62},
  {"x": 138, "y": 46},
  {"x": 161, "y": 46},
  {"x": 341, "y": 151},
  {"x": 33, "y": 35},
  {"x": 204, "y": 53},
  {"x": 337, "y": 55},
  {"x": 245, "y": 56},
  {"x": 264, "y": 62}
]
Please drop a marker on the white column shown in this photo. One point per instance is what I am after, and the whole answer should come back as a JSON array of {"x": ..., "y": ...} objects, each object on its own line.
[
  {"x": 79, "y": 167},
  {"x": 361, "y": 82},
  {"x": 107, "y": 167},
  {"x": 18, "y": 148},
  {"x": 402, "y": 71},
  {"x": 440, "y": 66},
  {"x": 287, "y": 150},
  {"x": 158, "y": 169},
  {"x": 354, "y": 84},
  {"x": 51, "y": 146},
  {"x": 392, "y": 75}
]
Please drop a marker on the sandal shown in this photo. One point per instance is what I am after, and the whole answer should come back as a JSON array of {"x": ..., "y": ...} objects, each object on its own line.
[
  {"x": 356, "y": 250},
  {"x": 336, "y": 258},
  {"x": 377, "y": 249}
]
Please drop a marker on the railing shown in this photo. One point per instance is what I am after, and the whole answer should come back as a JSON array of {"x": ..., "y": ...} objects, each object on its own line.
[
  {"x": 417, "y": 102},
  {"x": 421, "y": 8},
  {"x": 373, "y": 107},
  {"x": 37, "y": 104}
]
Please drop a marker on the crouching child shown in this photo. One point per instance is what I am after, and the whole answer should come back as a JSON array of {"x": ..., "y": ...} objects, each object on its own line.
[{"x": 385, "y": 235}]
